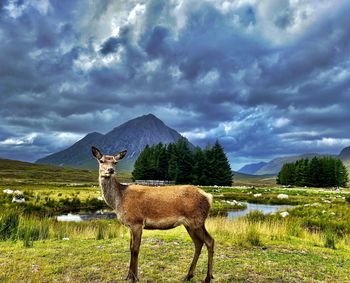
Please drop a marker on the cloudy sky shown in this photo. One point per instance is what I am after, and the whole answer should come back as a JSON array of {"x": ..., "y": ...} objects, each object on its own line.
[{"x": 268, "y": 78}]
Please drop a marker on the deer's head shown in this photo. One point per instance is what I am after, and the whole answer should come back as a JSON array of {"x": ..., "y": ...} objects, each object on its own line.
[{"x": 107, "y": 163}]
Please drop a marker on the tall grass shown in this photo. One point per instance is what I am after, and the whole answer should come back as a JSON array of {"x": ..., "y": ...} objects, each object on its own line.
[
  {"x": 253, "y": 230},
  {"x": 329, "y": 239},
  {"x": 253, "y": 236},
  {"x": 9, "y": 221},
  {"x": 244, "y": 232},
  {"x": 29, "y": 229}
]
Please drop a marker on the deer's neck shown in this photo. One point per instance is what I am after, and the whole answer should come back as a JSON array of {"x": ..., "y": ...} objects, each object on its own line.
[{"x": 112, "y": 191}]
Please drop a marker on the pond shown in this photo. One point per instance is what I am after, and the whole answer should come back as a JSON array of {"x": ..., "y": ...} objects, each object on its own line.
[
  {"x": 107, "y": 214},
  {"x": 84, "y": 216},
  {"x": 265, "y": 208}
]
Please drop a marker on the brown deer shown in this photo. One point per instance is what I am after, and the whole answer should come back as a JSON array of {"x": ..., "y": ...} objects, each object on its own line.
[{"x": 143, "y": 207}]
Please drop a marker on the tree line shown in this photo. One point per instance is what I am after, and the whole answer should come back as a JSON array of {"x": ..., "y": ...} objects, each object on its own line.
[
  {"x": 317, "y": 172},
  {"x": 178, "y": 162}
]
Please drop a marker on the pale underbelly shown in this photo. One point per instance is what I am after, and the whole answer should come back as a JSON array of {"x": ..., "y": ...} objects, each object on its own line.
[{"x": 163, "y": 224}]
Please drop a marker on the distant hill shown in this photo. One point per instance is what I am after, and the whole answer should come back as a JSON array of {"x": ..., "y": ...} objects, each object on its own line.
[
  {"x": 242, "y": 179},
  {"x": 345, "y": 157},
  {"x": 345, "y": 154},
  {"x": 252, "y": 168},
  {"x": 133, "y": 135},
  {"x": 13, "y": 171},
  {"x": 275, "y": 165}
]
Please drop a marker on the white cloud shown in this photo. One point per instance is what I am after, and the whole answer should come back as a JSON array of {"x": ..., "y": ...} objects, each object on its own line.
[
  {"x": 194, "y": 135},
  {"x": 66, "y": 138},
  {"x": 301, "y": 14},
  {"x": 27, "y": 139},
  {"x": 135, "y": 13},
  {"x": 331, "y": 142},
  {"x": 281, "y": 122}
]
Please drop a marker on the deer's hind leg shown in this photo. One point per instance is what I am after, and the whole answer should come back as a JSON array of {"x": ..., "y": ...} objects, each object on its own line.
[
  {"x": 204, "y": 236},
  {"x": 198, "y": 244}
]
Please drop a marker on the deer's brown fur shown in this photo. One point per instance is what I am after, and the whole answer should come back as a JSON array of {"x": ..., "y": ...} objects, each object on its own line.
[{"x": 143, "y": 207}]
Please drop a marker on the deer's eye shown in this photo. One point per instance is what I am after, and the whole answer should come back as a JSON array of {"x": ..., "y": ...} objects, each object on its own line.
[{"x": 101, "y": 161}]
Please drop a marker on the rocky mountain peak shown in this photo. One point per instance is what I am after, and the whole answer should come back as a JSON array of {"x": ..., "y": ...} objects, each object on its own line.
[{"x": 132, "y": 135}]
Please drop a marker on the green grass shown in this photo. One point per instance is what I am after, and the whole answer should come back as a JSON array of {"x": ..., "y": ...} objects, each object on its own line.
[
  {"x": 269, "y": 195},
  {"x": 312, "y": 244},
  {"x": 13, "y": 172},
  {"x": 241, "y": 179},
  {"x": 51, "y": 189},
  {"x": 250, "y": 252}
]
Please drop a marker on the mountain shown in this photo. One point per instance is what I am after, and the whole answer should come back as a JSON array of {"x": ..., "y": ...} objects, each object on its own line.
[
  {"x": 252, "y": 168},
  {"x": 345, "y": 154},
  {"x": 275, "y": 165},
  {"x": 133, "y": 135},
  {"x": 345, "y": 157}
]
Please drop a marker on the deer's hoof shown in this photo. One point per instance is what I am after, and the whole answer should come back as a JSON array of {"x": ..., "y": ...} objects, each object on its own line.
[
  {"x": 131, "y": 276},
  {"x": 208, "y": 279},
  {"x": 188, "y": 277}
]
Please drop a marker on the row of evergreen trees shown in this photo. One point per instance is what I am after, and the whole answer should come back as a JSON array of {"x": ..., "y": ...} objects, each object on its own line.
[
  {"x": 317, "y": 172},
  {"x": 177, "y": 162}
]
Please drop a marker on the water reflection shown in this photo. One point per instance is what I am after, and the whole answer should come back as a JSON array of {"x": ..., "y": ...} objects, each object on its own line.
[
  {"x": 101, "y": 214},
  {"x": 265, "y": 208},
  {"x": 107, "y": 214}
]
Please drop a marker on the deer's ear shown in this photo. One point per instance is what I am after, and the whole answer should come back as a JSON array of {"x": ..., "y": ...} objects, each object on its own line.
[
  {"x": 96, "y": 152},
  {"x": 120, "y": 155}
]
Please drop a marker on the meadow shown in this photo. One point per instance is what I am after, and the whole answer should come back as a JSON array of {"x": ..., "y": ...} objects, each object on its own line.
[{"x": 311, "y": 244}]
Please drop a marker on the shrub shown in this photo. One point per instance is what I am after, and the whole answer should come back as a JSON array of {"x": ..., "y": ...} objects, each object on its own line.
[
  {"x": 329, "y": 238},
  {"x": 294, "y": 228},
  {"x": 253, "y": 237},
  {"x": 256, "y": 216},
  {"x": 9, "y": 225},
  {"x": 100, "y": 232}
]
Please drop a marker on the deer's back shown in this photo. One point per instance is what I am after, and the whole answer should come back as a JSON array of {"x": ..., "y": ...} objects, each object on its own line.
[{"x": 165, "y": 207}]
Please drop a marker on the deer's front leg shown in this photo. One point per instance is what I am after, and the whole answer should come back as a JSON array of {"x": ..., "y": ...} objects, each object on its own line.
[{"x": 135, "y": 242}]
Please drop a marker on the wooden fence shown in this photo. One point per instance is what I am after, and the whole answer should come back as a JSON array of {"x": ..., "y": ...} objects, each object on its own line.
[{"x": 154, "y": 182}]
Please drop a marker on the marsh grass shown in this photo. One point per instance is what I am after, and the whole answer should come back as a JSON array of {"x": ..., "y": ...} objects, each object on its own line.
[
  {"x": 330, "y": 239},
  {"x": 100, "y": 231},
  {"x": 18, "y": 227},
  {"x": 245, "y": 233},
  {"x": 255, "y": 216},
  {"x": 253, "y": 237},
  {"x": 242, "y": 246},
  {"x": 9, "y": 221}
]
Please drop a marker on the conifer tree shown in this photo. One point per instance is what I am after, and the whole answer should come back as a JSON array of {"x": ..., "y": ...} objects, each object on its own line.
[
  {"x": 177, "y": 162},
  {"x": 221, "y": 174},
  {"x": 184, "y": 163},
  {"x": 142, "y": 165},
  {"x": 172, "y": 162},
  {"x": 199, "y": 174},
  {"x": 319, "y": 172}
]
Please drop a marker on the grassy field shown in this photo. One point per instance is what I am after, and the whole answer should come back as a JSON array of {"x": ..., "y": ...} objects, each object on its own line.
[
  {"x": 245, "y": 251},
  {"x": 311, "y": 244}
]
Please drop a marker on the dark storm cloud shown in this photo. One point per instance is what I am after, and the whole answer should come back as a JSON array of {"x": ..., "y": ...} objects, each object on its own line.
[
  {"x": 258, "y": 77},
  {"x": 111, "y": 45}
]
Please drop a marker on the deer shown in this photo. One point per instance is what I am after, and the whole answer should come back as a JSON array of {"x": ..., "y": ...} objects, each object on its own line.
[{"x": 145, "y": 207}]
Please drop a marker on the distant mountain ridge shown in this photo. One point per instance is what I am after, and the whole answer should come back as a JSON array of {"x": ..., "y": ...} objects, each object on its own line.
[
  {"x": 252, "y": 168},
  {"x": 345, "y": 157},
  {"x": 133, "y": 135},
  {"x": 345, "y": 154},
  {"x": 274, "y": 166}
]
